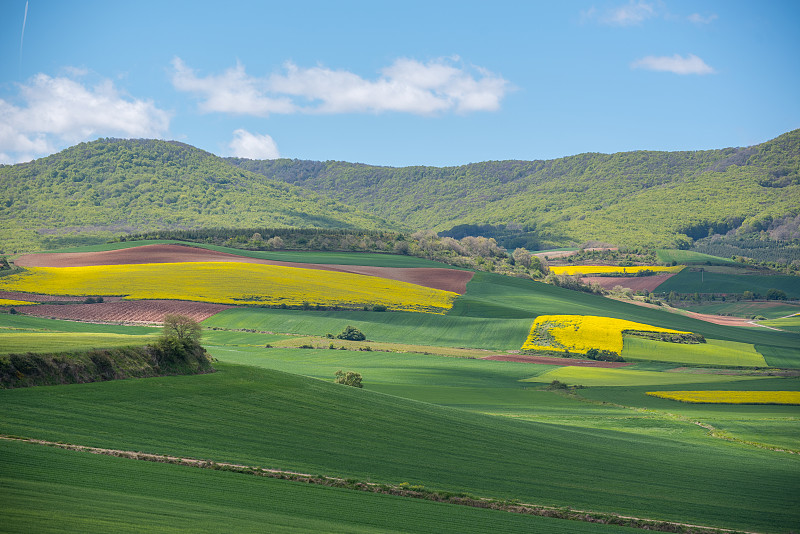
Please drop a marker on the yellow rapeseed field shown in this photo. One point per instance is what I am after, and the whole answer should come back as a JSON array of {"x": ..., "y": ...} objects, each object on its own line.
[
  {"x": 9, "y": 302},
  {"x": 231, "y": 283},
  {"x": 730, "y": 397},
  {"x": 579, "y": 333},
  {"x": 599, "y": 270}
]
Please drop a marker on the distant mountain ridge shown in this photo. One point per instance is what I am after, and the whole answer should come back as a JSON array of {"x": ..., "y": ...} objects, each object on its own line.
[
  {"x": 112, "y": 186},
  {"x": 105, "y": 188},
  {"x": 642, "y": 197}
]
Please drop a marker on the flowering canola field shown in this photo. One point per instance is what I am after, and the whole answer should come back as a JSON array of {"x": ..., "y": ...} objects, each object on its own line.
[
  {"x": 231, "y": 283},
  {"x": 10, "y": 302},
  {"x": 730, "y": 397},
  {"x": 586, "y": 270},
  {"x": 579, "y": 333}
]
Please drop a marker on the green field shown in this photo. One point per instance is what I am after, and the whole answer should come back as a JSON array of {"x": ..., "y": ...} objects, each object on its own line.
[
  {"x": 268, "y": 418},
  {"x": 743, "y": 308},
  {"x": 707, "y": 281},
  {"x": 687, "y": 257},
  {"x": 330, "y": 257},
  {"x": 65, "y": 341},
  {"x": 790, "y": 324},
  {"x": 100, "y": 494},
  {"x": 713, "y": 352}
]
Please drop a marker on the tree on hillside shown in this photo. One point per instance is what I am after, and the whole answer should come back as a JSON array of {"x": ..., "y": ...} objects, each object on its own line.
[
  {"x": 352, "y": 334},
  {"x": 181, "y": 328}
]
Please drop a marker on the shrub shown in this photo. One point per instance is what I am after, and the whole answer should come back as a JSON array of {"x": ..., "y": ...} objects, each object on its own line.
[
  {"x": 352, "y": 334},
  {"x": 379, "y": 308},
  {"x": 348, "y": 378}
]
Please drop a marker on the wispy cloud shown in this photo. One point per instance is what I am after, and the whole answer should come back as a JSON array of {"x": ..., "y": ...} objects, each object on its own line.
[
  {"x": 690, "y": 64},
  {"x": 697, "y": 18},
  {"x": 631, "y": 14},
  {"x": 407, "y": 86},
  {"x": 253, "y": 146},
  {"x": 55, "y": 112}
]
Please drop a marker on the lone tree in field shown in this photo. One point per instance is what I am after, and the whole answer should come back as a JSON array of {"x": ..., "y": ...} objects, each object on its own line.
[
  {"x": 348, "y": 379},
  {"x": 181, "y": 328}
]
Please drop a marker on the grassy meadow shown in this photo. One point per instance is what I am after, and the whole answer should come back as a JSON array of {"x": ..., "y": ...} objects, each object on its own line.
[{"x": 432, "y": 412}]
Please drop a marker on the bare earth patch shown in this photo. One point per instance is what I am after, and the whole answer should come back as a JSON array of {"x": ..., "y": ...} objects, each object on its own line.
[
  {"x": 125, "y": 311},
  {"x": 634, "y": 283},
  {"x": 433, "y": 277},
  {"x": 722, "y": 319},
  {"x": 546, "y": 360}
]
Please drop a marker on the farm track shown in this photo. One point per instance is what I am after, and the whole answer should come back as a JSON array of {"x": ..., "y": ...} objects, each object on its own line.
[
  {"x": 432, "y": 277},
  {"x": 402, "y": 490}
]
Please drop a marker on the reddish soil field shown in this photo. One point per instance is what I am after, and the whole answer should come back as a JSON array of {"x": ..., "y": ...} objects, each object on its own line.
[
  {"x": 35, "y": 297},
  {"x": 125, "y": 311},
  {"x": 545, "y": 360},
  {"x": 436, "y": 278},
  {"x": 721, "y": 319},
  {"x": 635, "y": 283}
]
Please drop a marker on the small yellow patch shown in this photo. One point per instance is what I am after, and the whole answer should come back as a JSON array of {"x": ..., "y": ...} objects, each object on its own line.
[
  {"x": 599, "y": 270},
  {"x": 730, "y": 397}
]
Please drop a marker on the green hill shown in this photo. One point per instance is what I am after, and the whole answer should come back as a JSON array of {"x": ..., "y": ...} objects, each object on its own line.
[
  {"x": 643, "y": 197},
  {"x": 97, "y": 190}
]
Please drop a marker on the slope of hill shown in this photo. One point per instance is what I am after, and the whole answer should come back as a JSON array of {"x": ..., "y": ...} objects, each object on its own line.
[
  {"x": 111, "y": 186},
  {"x": 620, "y": 198}
]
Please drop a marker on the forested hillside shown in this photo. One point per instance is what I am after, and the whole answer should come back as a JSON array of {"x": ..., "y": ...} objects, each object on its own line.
[
  {"x": 646, "y": 198},
  {"x": 94, "y": 191}
]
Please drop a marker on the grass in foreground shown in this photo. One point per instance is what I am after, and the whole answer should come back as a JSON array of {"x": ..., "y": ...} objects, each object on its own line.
[
  {"x": 100, "y": 494},
  {"x": 64, "y": 341},
  {"x": 259, "y": 417}
]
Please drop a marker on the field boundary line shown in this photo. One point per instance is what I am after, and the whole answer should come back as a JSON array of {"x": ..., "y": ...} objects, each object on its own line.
[{"x": 402, "y": 490}]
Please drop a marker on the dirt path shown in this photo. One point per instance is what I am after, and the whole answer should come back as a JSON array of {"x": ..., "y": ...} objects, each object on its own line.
[{"x": 398, "y": 490}]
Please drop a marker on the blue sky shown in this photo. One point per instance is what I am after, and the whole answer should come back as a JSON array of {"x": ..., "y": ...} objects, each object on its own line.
[{"x": 399, "y": 83}]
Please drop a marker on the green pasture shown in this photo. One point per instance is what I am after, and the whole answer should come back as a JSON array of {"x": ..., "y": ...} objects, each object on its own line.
[
  {"x": 790, "y": 324},
  {"x": 598, "y": 376},
  {"x": 769, "y": 425},
  {"x": 23, "y": 323},
  {"x": 688, "y": 257},
  {"x": 300, "y": 256},
  {"x": 695, "y": 281},
  {"x": 273, "y": 419},
  {"x": 64, "y": 341},
  {"x": 100, "y": 494},
  {"x": 713, "y": 352},
  {"x": 394, "y": 327},
  {"x": 743, "y": 308}
]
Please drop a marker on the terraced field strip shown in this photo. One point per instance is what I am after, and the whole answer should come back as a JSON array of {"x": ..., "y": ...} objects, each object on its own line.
[
  {"x": 713, "y": 352},
  {"x": 317, "y": 342},
  {"x": 232, "y": 283},
  {"x": 402, "y": 490},
  {"x": 599, "y": 270},
  {"x": 21, "y": 343},
  {"x": 588, "y": 376},
  {"x": 730, "y": 397}
]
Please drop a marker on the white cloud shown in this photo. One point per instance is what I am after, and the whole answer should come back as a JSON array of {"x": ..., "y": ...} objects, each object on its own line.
[
  {"x": 56, "y": 112},
  {"x": 691, "y": 64},
  {"x": 231, "y": 92},
  {"x": 407, "y": 86},
  {"x": 697, "y": 18},
  {"x": 253, "y": 146},
  {"x": 630, "y": 14}
]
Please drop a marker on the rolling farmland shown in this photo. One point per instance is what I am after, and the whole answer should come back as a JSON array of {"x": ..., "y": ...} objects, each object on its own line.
[{"x": 526, "y": 430}]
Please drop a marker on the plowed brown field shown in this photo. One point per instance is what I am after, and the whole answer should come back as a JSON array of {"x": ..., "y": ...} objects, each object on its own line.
[
  {"x": 126, "y": 311},
  {"x": 635, "y": 283},
  {"x": 433, "y": 277}
]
